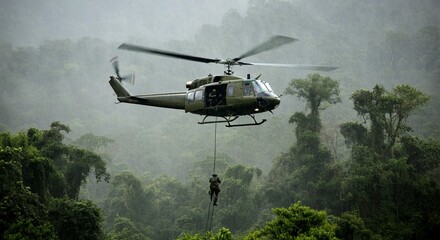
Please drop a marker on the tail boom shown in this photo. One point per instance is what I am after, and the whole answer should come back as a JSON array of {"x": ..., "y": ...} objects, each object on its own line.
[{"x": 174, "y": 100}]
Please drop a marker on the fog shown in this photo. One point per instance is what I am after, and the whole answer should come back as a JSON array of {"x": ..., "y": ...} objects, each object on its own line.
[
  {"x": 377, "y": 183},
  {"x": 62, "y": 52},
  {"x": 28, "y": 23}
]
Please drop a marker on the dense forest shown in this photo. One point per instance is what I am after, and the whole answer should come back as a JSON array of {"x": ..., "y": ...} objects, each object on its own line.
[{"x": 349, "y": 154}]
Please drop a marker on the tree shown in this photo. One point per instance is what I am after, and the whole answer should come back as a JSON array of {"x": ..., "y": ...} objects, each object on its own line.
[
  {"x": 350, "y": 227},
  {"x": 295, "y": 222},
  {"x": 303, "y": 171},
  {"x": 75, "y": 219},
  {"x": 237, "y": 192},
  {"x": 388, "y": 113},
  {"x": 315, "y": 90},
  {"x": 128, "y": 199},
  {"x": 124, "y": 228},
  {"x": 92, "y": 142},
  {"x": 388, "y": 170},
  {"x": 79, "y": 167},
  {"x": 22, "y": 214},
  {"x": 222, "y": 234},
  {"x": 36, "y": 168}
]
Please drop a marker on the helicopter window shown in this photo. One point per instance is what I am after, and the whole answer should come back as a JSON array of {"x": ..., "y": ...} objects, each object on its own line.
[
  {"x": 258, "y": 88},
  {"x": 199, "y": 95},
  {"x": 248, "y": 90},
  {"x": 190, "y": 96},
  {"x": 266, "y": 84},
  {"x": 230, "y": 90}
]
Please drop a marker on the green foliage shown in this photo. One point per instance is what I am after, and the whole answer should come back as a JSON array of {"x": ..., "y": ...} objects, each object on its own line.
[
  {"x": 75, "y": 219},
  {"x": 388, "y": 113},
  {"x": 391, "y": 181},
  {"x": 10, "y": 170},
  {"x": 124, "y": 228},
  {"x": 92, "y": 142},
  {"x": 34, "y": 172},
  {"x": 128, "y": 199},
  {"x": 79, "y": 168},
  {"x": 350, "y": 226},
  {"x": 24, "y": 229},
  {"x": 315, "y": 90},
  {"x": 388, "y": 169},
  {"x": 305, "y": 171},
  {"x": 354, "y": 134},
  {"x": 296, "y": 222},
  {"x": 222, "y": 234}
]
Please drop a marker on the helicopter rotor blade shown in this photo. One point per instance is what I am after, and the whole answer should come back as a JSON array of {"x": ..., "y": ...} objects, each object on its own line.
[
  {"x": 273, "y": 42},
  {"x": 115, "y": 64},
  {"x": 128, "y": 78},
  {"x": 136, "y": 48},
  {"x": 297, "y": 66}
]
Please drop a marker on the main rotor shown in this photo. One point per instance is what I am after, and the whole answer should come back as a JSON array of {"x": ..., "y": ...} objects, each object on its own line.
[{"x": 272, "y": 43}]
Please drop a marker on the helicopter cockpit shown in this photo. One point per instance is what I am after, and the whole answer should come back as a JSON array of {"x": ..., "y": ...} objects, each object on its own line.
[
  {"x": 258, "y": 88},
  {"x": 261, "y": 86}
]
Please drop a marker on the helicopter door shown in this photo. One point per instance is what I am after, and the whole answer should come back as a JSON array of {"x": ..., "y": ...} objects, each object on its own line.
[
  {"x": 215, "y": 95},
  {"x": 195, "y": 100}
]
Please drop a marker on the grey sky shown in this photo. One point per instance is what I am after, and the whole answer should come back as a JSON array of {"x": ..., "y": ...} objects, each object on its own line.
[{"x": 28, "y": 22}]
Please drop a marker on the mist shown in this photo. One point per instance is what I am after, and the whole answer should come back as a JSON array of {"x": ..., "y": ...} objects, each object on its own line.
[
  {"x": 54, "y": 66},
  {"x": 28, "y": 23},
  {"x": 345, "y": 36}
]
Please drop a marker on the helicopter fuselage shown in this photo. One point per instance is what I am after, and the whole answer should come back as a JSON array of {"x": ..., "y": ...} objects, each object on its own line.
[{"x": 220, "y": 96}]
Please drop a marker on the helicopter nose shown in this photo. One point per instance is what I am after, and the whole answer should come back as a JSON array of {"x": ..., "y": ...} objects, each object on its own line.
[
  {"x": 274, "y": 102},
  {"x": 268, "y": 102}
]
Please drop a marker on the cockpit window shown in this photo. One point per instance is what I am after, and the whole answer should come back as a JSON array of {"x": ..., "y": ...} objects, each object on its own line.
[
  {"x": 248, "y": 90},
  {"x": 266, "y": 84},
  {"x": 257, "y": 87}
]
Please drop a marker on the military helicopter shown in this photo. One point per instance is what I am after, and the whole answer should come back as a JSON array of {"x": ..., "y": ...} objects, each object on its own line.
[{"x": 225, "y": 96}]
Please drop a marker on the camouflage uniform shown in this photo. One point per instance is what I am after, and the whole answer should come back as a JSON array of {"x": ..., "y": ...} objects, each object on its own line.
[{"x": 214, "y": 189}]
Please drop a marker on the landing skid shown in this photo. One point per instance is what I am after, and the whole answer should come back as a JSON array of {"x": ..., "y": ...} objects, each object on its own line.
[
  {"x": 226, "y": 120},
  {"x": 231, "y": 119}
]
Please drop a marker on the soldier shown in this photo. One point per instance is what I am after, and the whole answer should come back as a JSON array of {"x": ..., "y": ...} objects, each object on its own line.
[
  {"x": 212, "y": 98},
  {"x": 214, "y": 189}
]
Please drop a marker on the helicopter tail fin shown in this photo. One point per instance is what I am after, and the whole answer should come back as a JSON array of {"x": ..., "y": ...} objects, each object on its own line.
[{"x": 118, "y": 88}]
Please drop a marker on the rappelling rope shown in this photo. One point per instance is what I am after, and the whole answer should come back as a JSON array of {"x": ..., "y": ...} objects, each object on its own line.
[
  {"x": 215, "y": 144},
  {"x": 209, "y": 217},
  {"x": 211, "y": 209}
]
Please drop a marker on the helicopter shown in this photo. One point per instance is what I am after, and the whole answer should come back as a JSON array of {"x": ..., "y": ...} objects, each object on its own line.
[{"x": 225, "y": 96}]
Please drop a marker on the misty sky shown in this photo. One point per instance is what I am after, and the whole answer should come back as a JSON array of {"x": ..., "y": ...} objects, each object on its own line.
[{"x": 29, "y": 22}]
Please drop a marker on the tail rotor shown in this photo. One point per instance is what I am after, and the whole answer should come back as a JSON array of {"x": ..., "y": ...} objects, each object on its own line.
[{"x": 126, "y": 78}]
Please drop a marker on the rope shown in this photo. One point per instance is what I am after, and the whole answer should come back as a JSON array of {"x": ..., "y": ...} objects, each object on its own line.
[
  {"x": 212, "y": 216},
  {"x": 208, "y": 217},
  {"x": 211, "y": 210},
  {"x": 215, "y": 144}
]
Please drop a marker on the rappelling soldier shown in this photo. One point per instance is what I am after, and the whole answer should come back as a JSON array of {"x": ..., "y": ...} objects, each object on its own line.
[{"x": 214, "y": 188}]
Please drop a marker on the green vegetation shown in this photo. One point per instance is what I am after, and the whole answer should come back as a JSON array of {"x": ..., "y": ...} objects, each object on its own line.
[
  {"x": 41, "y": 179},
  {"x": 388, "y": 189},
  {"x": 351, "y": 155}
]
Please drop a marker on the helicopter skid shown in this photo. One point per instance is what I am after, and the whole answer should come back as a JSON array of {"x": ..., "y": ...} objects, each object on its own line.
[{"x": 228, "y": 121}]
